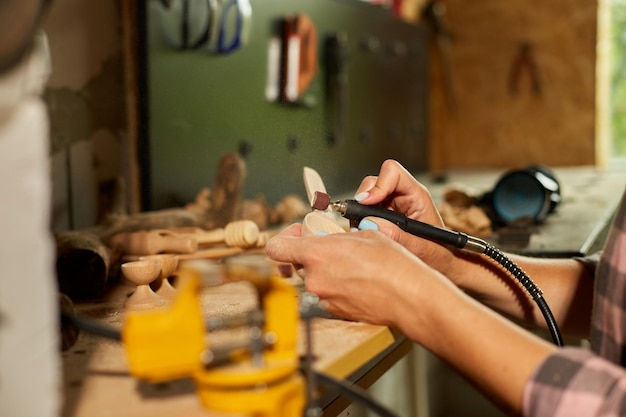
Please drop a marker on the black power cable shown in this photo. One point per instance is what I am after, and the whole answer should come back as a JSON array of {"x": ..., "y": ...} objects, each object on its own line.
[
  {"x": 352, "y": 210},
  {"x": 356, "y": 394},
  {"x": 532, "y": 289},
  {"x": 91, "y": 326}
]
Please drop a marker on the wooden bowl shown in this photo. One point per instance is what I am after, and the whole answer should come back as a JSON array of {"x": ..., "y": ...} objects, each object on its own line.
[
  {"x": 141, "y": 272},
  {"x": 318, "y": 221}
]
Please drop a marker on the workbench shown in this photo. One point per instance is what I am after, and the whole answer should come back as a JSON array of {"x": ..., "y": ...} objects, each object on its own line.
[
  {"x": 578, "y": 226},
  {"x": 96, "y": 378},
  {"x": 97, "y": 382}
]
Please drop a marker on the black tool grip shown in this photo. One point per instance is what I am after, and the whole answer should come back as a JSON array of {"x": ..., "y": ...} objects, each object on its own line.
[{"x": 356, "y": 211}]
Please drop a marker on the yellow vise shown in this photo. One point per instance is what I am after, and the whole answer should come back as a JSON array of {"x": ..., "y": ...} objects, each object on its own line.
[{"x": 168, "y": 344}]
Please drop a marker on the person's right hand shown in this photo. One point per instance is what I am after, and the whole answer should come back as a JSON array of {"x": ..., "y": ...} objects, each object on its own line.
[
  {"x": 396, "y": 189},
  {"x": 566, "y": 282}
]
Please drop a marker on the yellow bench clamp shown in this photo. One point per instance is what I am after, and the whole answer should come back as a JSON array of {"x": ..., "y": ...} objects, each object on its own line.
[{"x": 168, "y": 344}]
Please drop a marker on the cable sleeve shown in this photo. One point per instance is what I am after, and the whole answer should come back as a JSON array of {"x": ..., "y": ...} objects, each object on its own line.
[
  {"x": 532, "y": 289},
  {"x": 356, "y": 211}
]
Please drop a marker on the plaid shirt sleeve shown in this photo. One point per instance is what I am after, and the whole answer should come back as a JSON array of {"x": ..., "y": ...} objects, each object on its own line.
[{"x": 576, "y": 382}]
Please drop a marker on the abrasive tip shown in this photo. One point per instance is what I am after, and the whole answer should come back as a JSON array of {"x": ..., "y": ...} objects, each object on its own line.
[{"x": 320, "y": 201}]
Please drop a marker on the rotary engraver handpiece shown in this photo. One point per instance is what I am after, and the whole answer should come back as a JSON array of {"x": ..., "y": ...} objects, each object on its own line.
[{"x": 352, "y": 210}]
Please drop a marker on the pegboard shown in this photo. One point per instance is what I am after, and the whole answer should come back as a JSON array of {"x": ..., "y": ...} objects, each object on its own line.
[{"x": 200, "y": 105}]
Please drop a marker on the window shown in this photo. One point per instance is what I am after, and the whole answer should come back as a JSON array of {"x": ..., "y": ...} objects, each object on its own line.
[{"x": 612, "y": 50}]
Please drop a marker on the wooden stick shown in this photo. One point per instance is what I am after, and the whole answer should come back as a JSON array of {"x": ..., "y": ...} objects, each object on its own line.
[
  {"x": 152, "y": 242},
  {"x": 241, "y": 233}
]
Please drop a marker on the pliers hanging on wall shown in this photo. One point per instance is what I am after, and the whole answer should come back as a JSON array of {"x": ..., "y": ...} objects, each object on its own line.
[{"x": 525, "y": 62}]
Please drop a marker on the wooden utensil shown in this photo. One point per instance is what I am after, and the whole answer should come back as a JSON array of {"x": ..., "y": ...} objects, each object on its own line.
[
  {"x": 142, "y": 273},
  {"x": 152, "y": 242},
  {"x": 239, "y": 233},
  {"x": 168, "y": 264},
  {"x": 318, "y": 222},
  {"x": 312, "y": 182},
  {"x": 211, "y": 253}
]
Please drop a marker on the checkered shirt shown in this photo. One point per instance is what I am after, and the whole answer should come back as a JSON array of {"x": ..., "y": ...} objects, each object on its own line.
[{"x": 575, "y": 381}]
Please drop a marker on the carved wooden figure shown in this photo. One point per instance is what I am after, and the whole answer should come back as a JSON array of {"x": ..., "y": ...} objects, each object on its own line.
[
  {"x": 312, "y": 182},
  {"x": 142, "y": 273},
  {"x": 319, "y": 221},
  {"x": 85, "y": 258},
  {"x": 169, "y": 264}
]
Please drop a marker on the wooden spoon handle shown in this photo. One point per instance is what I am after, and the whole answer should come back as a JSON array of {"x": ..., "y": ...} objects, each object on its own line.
[
  {"x": 152, "y": 242},
  {"x": 239, "y": 233}
]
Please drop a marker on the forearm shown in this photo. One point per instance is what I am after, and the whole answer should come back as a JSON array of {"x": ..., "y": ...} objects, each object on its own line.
[
  {"x": 491, "y": 352},
  {"x": 566, "y": 285}
]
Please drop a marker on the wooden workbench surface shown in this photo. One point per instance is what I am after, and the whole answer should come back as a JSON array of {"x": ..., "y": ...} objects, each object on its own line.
[
  {"x": 98, "y": 384},
  {"x": 589, "y": 197}
]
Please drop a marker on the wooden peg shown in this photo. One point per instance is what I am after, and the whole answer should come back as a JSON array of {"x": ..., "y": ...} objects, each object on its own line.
[
  {"x": 239, "y": 233},
  {"x": 168, "y": 264},
  {"x": 152, "y": 242},
  {"x": 142, "y": 273}
]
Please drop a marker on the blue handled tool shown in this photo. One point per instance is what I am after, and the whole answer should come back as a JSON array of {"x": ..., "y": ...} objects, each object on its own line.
[{"x": 230, "y": 25}]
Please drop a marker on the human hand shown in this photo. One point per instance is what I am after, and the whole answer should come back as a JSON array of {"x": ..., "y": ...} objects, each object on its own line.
[
  {"x": 362, "y": 275},
  {"x": 366, "y": 276},
  {"x": 396, "y": 189}
]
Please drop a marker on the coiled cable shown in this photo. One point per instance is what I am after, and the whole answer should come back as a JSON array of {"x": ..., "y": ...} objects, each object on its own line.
[
  {"x": 352, "y": 210},
  {"x": 528, "y": 284}
]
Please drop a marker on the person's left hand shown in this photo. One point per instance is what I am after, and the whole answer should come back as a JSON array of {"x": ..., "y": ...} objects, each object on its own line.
[{"x": 362, "y": 275}]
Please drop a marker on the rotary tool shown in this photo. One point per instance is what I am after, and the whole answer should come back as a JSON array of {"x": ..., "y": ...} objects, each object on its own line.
[{"x": 353, "y": 210}]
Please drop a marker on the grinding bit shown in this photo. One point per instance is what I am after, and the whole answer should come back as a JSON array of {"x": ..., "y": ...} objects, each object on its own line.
[{"x": 320, "y": 201}]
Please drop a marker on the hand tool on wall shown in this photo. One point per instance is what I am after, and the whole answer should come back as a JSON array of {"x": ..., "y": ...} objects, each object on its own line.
[
  {"x": 434, "y": 12},
  {"x": 273, "y": 84},
  {"x": 229, "y": 26},
  {"x": 292, "y": 58},
  {"x": 220, "y": 26},
  {"x": 299, "y": 55},
  {"x": 335, "y": 59},
  {"x": 307, "y": 68},
  {"x": 183, "y": 23},
  {"x": 524, "y": 63}
]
